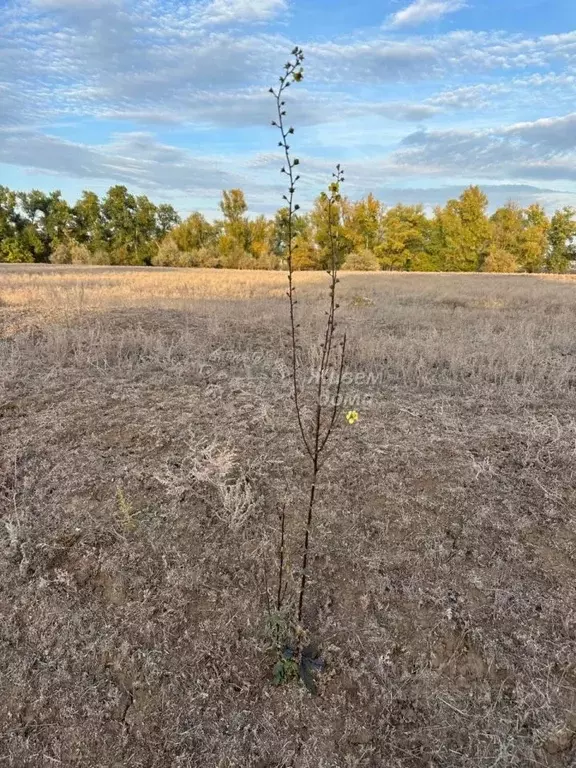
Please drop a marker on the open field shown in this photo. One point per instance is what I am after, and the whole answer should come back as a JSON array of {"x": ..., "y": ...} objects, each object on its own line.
[{"x": 147, "y": 443}]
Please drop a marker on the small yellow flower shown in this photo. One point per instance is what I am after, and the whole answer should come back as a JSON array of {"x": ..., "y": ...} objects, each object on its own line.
[{"x": 352, "y": 417}]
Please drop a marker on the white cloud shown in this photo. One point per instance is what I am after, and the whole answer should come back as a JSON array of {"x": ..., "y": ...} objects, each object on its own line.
[
  {"x": 149, "y": 57},
  {"x": 143, "y": 163},
  {"x": 498, "y": 195},
  {"x": 422, "y": 11},
  {"x": 552, "y": 134},
  {"x": 11, "y": 109},
  {"x": 226, "y": 11},
  {"x": 393, "y": 178},
  {"x": 192, "y": 63},
  {"x": 254, "y": 107},
  {"x": 132, "y": 158},
  {"x": 469, "y": 97},
  {"x": 542, "y": 149},
  {"x": 538, "y": 90},
  {"x": 421, "y": 58},
  {"x": 207, "y": 11},
  {"x": 72, "y": 4}
]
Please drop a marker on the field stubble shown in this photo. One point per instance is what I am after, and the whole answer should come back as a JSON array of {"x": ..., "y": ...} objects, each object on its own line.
[{"x": 148, "y": 443}]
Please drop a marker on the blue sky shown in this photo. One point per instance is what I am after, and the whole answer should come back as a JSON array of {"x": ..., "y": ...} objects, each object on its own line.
[{"x": 416, "y": 99}]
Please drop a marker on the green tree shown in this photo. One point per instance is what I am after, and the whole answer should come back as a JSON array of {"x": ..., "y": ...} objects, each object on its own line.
[
  {"x": 166, "y": 219},
  {"x": 193, "y": 233},
  {"x": 118, "y": 213},
  {"x": 437, "y": 242},
  {"x": 534, "y": 240},
  {"x": 462, "y": 232},
  {"x": 260, "y": 235},
  {"x": 30, "y": 245},
  {"x": 507, "y": 227},
  {"x": 279, "y": 237},
  {"x": 88, "y": 222},
  {"x": 306, "y": 254},
  {"x": 145, "y": 230},
  {"x": 129, "y": 226},
  {"x": 506, "y": 236},
  {"x": 10, "y": 227},
  {"x": 406, "y": 235},
  {"x": 233, "y": 205},
  {"x": 234, "y": 240},
  {"x": 126, "y": 229},
  {"x": 58, "y": 220},
  {"x": 561, "y": 237},
  {"x": 327, "y": 227},
  {"x": 8, "y": 213},
  {"x": 364, "y": 224},
  {"x": 51, "y": 219}
]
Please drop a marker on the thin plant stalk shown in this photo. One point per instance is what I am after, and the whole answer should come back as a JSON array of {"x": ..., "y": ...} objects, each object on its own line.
[
  {"x": 281, "y": 544},
  {"x": 314, "y": 439},
  {"x": 320, "y": 439},
  {"x": 293, "y": 73}
]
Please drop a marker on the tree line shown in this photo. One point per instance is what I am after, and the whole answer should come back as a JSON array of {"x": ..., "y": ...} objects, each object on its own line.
[{"x": 125, "y": 229}]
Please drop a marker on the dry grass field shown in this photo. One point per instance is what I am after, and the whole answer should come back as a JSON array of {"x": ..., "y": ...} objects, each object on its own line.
[{"x": 147, "y": 443}]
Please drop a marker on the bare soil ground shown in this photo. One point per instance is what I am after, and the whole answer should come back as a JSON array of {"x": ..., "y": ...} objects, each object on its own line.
[{"x": 147, "y": 443}]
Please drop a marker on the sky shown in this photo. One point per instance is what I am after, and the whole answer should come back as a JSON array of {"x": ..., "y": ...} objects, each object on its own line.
[{"x": 416, "y": 100}]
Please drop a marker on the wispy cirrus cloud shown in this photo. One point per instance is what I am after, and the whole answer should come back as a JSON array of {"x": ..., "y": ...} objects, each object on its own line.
[
  {"x": 252, "y": 107},
  {"x": 422, "y": 11},
  {"x": 130, "y": 158}
]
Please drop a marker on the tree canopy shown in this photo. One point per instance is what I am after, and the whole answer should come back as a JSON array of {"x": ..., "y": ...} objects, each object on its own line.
[{"x": 123, "y": 228}]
